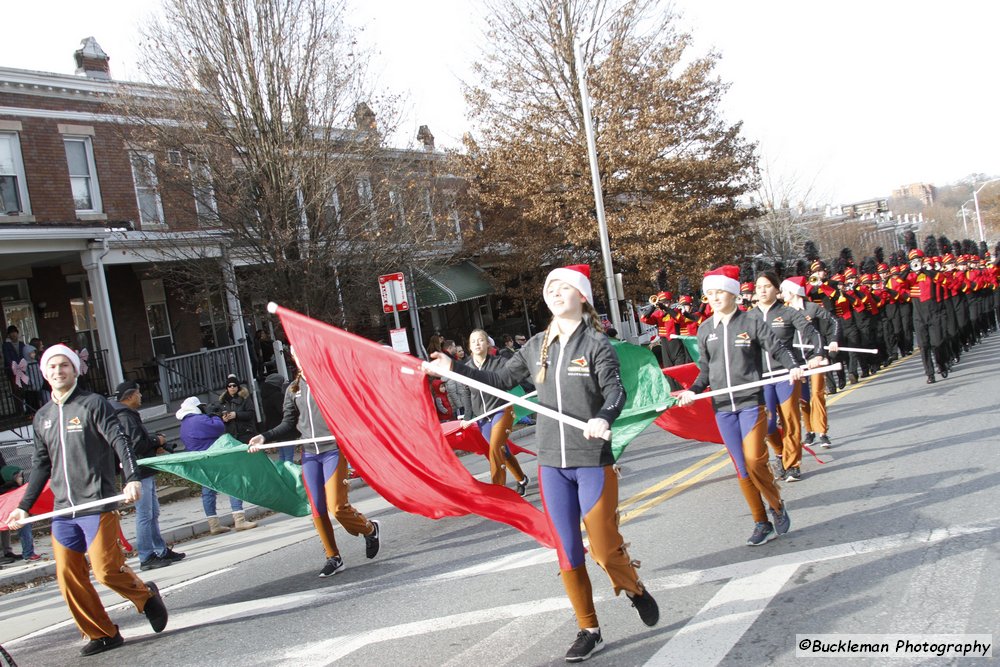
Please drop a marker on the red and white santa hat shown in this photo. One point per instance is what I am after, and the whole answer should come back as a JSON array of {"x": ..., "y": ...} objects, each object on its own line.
[
  {"x": 794, "y": 285},
  {"x": 577, "y": 275},
  {"x": 725, "y": 278}
]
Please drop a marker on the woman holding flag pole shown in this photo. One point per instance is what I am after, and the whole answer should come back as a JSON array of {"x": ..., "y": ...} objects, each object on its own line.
[
  {"x": 730, "y": 344},
  {"x": 576, "y": 371},
  {"x": 496, "y": 427},
  {"x": 324, "y": 472}
]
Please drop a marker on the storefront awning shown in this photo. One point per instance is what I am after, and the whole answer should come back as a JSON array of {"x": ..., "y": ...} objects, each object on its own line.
[{"x": 443, "y": 285}]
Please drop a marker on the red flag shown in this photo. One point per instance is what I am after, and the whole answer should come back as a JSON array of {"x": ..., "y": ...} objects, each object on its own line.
[
  {"x": 472, "y": 440},
  {"x": 10, "y": 500},
  {"x": 375, "y": 401},
  {"x": 695, "y": 421}
]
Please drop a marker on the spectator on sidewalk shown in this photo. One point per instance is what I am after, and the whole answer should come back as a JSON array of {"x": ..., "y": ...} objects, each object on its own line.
[
  {"x": 75, "y": 435},
  {"x": 198, "y": 432},
  {"x": 237, "y": 410},
  {"x": 272, "y": 398},
  {"x": 153, "y": 551},
  {"x": 12, "y": 478}
]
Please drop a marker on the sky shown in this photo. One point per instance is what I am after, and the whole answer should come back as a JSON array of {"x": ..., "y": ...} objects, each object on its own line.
[{"x": 846, "y": 100}]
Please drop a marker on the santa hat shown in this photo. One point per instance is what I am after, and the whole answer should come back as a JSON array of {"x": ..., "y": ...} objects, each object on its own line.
[
  {"x": 577, "y": 275},
  {"x": 794, "y": 285},
  {"x": 726, "y": 278},
  {"x": 57, "y": 350}
]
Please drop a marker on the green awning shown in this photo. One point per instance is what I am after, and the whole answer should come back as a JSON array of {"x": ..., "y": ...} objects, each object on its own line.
[{"x": 442, "y": 285}]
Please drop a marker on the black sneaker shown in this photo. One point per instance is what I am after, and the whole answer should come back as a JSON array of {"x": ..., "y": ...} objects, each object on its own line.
[
  {"x": 333, "y": 565},
  {"x": 155, "y": 610},
  {"x": 779, "y": 470},
  {"x": 95, "y": 646},
  {"x": 793, "y": 474},
  {"x": 172, "y": 555},
  {"x": 587, "y": 644},
  {"x": 154, "y": 562},
  {"x": 372, "y": 542},
  {"x": 809, "y": 438},
  {"x": 824, "y": 441},
  {"x": 522, "y": 486},
  {"x": 644, "y": 603},
  {"x": 782, "y": 522},
  {"x": 763, "y": 532}
]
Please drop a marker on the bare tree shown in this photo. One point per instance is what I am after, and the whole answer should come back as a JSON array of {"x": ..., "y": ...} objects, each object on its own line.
[{"x": 264, "y": 114}]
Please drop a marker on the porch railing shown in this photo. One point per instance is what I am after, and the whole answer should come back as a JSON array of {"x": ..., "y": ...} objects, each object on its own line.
[{"x": 201, "y": 372}]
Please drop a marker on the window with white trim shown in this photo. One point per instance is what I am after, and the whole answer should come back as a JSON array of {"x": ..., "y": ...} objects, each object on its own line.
[
  {"x": 147, "y": 194},
  {"x": 13, "y": 186},
  {"x": 454, "y": 216},
  {"x": 204, "y": 192},
  {"x": 429, "y": 212},
  {"x": 366, "y": 198},
  {"x": 398, "y": 210},
  {"x": 83, "y": 174}
]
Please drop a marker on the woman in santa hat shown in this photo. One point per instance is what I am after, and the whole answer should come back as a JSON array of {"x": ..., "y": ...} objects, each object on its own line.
[
  {"x": 576, "y": 371},
  {"x": 730, "y": 343}
]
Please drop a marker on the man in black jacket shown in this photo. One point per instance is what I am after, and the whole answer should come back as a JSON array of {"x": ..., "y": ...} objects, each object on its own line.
[
  {"x": 153, "y": 551},
  {"x": 76, "y": 439}
]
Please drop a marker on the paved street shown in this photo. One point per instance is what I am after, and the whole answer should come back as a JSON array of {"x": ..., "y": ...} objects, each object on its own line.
[{"x": 895, "y": 533}]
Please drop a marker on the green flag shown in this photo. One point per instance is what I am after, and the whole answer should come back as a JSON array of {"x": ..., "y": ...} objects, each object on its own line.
[
  {"x": 227, "y": 468},
  {"x": 691, "y": 345},
  {"x": 648, "y": 394}
]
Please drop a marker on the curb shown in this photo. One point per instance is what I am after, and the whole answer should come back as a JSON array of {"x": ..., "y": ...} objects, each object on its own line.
[{"x": 187, "y": 531}]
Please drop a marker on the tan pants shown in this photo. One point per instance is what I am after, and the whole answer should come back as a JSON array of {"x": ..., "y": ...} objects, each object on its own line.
[
  {"x": 110, "y": 569},
  {"x": 500, "y": 459},
  {"x": 787, "y": 440},
  {"x": 335, "y": 494},
  {"x": 814, "y": 410}
]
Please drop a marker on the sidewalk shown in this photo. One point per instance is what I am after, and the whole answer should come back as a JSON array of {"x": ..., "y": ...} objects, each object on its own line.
[{"x": 181, "y": 519}]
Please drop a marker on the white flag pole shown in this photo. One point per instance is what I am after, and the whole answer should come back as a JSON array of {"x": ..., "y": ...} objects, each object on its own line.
[
  {"x": 859, "y": 350},
  {"x": 502, "y": 407},
  {"x": 761, "y": 383},
  {"x": 511, "y": 398},
  {"x": 74, "y": 509},
  {"x": 292, "y": 443}
]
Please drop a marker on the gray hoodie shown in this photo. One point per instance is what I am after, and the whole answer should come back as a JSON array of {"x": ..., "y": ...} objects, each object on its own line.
[{"x": 300, "y": 412}]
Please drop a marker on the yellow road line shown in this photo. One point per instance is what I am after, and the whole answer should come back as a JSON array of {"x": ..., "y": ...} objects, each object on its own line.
[
  {"x": 670, "y": 480},
  {"x": 632, "y": 514}
]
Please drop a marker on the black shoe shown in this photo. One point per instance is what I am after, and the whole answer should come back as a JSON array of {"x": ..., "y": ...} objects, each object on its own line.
[
  {"x": 944, "y": 374},
  {"x": 793, "y": 474},
  {"x": 333, "y": 565},
  {"x": 782, "y": 522},
  {"x": 95, "y": 646},
  {"x": 853, "y": 378},
  {"x": 155, "y": 610},
  {"x": 7, "y": 559},
  {"x": 522, "y": 486},
  {"x": 372, "y": 542},
  {"x": 763, "y": 532},
  {"x": 779, "y": 471},
  {"x": 154, "y": 562},
  {"x": 824, "y": 441},
  {"x": 809, "y": 438},
  {"x": 172, "y": 555},
  {"x": 644, "y": 603},
  {"x": 587, "y": 644},
  {"x": 931, "y": 380}
]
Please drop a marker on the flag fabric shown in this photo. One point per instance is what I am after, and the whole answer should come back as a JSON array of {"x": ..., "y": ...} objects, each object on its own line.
[
  {"x": 647, "y": 394},
  {"x": 227, "y": 468},
  {"x": 10, "y": 500},
  {"x": 376, "y": 402},
  {"x": 692, "y": 422},
  {"x": 471, "y": 440},
  {"x": 691, "y": 345}
]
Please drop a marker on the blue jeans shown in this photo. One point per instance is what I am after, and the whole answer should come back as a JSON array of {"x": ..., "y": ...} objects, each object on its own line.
[
  {"x": 208, "y": 501},
  {"x": 286, "y": 454},
  {"x": 27, "y": 542},
  {"x": 147, "y": 522}
]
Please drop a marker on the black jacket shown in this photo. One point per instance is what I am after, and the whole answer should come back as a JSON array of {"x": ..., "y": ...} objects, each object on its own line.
[
  {"x": 272, "y": 394},
  {"x": 582, "y": 380},
  {"x": 143, "y": 444},
  {"x": 244, "y": 426},
  {"x": 75, "y": 445}
]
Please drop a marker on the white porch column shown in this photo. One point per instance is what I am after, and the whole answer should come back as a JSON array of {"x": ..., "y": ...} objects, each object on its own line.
[{"x": 94, "y": 266}]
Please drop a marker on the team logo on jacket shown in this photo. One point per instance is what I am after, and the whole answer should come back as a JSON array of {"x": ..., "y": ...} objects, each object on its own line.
[
  {"x": 74, "y": 425},
  {"x": 578, "y": 366},
  {"x": 742, "y": 339},
  {"x": 711, "y": 338},
  {"x": 47, "y": 423}
]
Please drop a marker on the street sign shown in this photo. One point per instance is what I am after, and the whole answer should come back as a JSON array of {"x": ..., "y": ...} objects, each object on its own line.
[
  {"x": 399, "y": 340},
  {"x": 392, "y": 287}
]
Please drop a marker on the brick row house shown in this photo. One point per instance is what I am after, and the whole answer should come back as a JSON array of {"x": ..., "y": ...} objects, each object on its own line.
[{"x": 84, "y": 224}]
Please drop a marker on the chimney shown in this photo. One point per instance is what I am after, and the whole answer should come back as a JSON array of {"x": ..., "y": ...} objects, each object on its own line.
[
  {"x": 426, "y": 138},
  {"x": 364, "y": 117},
  {"x": 92, "y": 61}
]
